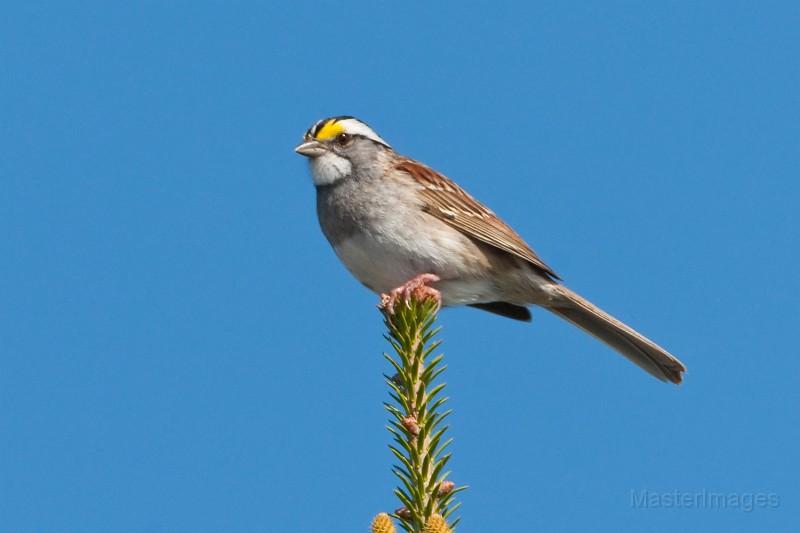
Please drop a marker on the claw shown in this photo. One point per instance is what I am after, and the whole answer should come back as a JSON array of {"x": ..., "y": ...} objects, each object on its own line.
[{"x": 416, "y": 288}]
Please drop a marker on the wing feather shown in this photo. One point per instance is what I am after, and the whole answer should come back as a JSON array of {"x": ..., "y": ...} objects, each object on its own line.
[{"x": 450, "y": 203}]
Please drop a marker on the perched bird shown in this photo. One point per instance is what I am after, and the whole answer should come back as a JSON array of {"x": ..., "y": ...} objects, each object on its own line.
[{"x": 396, "y": 223}]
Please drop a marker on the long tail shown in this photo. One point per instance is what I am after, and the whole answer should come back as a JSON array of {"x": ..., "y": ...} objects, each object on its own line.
[{"x": 636, "y": 347}]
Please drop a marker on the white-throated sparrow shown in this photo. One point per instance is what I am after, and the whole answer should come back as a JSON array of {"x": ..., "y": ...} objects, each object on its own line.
[{"x": 391, "y": 219}]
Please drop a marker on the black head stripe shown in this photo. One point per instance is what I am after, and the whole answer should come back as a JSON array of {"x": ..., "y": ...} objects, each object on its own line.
[{"x": 315, "y": 129}]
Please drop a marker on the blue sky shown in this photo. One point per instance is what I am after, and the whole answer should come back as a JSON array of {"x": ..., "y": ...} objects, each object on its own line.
[{"x": 180, "y": 350}]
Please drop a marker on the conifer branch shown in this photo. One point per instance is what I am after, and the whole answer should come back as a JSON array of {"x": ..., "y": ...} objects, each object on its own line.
[{"x": 416, "y": 420}]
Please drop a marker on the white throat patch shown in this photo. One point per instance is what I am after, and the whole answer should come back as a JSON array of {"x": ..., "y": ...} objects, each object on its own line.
[{"x": 329, "y": 168}]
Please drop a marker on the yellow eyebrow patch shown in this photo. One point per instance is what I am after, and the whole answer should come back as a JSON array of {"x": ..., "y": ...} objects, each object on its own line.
[{"x": 329, "y": 130}]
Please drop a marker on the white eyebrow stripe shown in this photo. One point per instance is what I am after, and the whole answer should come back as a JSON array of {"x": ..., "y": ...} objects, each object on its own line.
[{"x": 356, "y": 127}]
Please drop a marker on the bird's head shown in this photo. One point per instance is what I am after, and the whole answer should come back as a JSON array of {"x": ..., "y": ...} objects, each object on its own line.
[{"x": 336, "y": 146}]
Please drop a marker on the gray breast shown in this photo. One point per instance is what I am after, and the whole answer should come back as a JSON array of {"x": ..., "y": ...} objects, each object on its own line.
[{"x": 342, "y": 210}]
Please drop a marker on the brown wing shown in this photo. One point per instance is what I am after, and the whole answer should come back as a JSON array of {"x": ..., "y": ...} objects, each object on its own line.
[{"x": 450, "y": 203}]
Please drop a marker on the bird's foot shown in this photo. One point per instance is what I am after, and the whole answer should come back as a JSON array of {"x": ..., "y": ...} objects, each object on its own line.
[{"x": 415, "y": 288}]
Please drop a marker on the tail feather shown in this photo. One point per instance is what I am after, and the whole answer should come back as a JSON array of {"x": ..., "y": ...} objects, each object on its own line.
[
  {"x": 628, "y": 342},
  {"x": 516, "y": 312}
]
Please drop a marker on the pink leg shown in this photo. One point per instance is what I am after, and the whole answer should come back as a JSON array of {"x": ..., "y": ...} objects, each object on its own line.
[{"x": 413, "y": 288}]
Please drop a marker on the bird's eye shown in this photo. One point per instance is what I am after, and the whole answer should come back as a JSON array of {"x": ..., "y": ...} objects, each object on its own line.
[{"x": 343, "y": 139}]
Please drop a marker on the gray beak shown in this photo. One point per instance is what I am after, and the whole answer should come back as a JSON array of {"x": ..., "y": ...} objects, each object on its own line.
[{"x": 311, "y": 149}]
